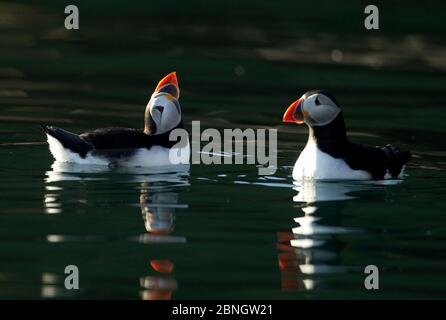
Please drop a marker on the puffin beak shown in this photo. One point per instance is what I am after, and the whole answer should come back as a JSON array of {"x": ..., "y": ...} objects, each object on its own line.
[
  {"x": 294, "y": 113},
  {"x": 168, "y": 81}
]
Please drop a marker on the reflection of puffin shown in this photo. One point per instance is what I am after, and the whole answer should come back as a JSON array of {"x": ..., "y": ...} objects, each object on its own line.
[
  {"x": 158, "y": 208},
  {"x": 159, "y": 211},
  {"x": 314, "y": 246},
  {"x": 128, "y": 146},
  {"x": 328, "y": 153},
  {"x": 159, "y": 200}
]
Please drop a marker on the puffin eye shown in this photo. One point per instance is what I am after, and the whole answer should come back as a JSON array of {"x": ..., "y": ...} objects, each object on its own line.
[
  {"x": 317, "y": 102},
  {"x": 159, "y": 108}
]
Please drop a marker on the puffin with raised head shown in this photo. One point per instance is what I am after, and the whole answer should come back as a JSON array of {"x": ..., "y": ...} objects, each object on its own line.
[
  {"x": 329, "y": 154},
  {"x": 118, "y": 146}
]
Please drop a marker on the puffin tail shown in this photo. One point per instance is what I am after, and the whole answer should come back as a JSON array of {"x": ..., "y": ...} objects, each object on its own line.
[
  {"x": 69, "y": 140},
  {"x": 396, "y": 159}
]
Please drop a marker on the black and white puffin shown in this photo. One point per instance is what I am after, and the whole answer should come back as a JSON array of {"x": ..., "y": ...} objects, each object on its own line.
[
  {"x": 131, "y": 147},
  {"x": 329, "y": 154}
]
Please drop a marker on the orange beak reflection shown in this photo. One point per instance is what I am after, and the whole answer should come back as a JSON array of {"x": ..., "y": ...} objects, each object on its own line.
[
  {"x": 294, "y": 113},
  {"x": 164, "y": 266}
]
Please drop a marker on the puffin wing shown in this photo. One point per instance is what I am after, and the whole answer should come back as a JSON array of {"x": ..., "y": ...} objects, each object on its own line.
[
  {"x": 68, "y": 140},
  {"x": 117, "y": 138},
  {"x": 377, "y": 161},
  {"x": 370, "y": 159}
]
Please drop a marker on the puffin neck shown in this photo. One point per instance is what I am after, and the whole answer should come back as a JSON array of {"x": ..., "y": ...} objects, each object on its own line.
[
  {"x": 167, "y": 133},
  {"x": 164, "y": 138},
  {"x": 331, "y": 138}
]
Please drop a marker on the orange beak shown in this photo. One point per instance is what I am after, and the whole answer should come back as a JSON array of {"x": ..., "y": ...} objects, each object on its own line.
[
  {"x": 170, "y": 79},
  {"x": 294, "y": 113}
]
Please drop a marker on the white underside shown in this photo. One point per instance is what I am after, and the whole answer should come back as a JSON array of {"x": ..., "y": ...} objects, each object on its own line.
[
  {"x": 155, "y": 156},
  {"x": 315, "y": 164}
]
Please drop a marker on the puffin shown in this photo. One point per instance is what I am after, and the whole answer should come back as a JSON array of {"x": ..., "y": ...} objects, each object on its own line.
[
  {"x": 329, "y": 154},
  {"x": 130, "y": 147}
]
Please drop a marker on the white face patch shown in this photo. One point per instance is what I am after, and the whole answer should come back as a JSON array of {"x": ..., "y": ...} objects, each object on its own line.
[
  {"x": 165, "y": 111},
  {"x": 319, "y": 110}
]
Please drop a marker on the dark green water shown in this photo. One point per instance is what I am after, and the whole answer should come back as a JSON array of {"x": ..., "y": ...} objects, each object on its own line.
[{"x": 221, "y": 231}]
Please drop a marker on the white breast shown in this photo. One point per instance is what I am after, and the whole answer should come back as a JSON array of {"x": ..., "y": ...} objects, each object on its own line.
[
  {"x": 155, "y": 156},
  {"x": 158, "y": 156},
  {"x": 315, "y": 164}
]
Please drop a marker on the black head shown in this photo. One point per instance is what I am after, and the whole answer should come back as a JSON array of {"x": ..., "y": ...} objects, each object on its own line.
[
  {"x": 315, "y": 108},
  {"x": 163, "y": 112}
]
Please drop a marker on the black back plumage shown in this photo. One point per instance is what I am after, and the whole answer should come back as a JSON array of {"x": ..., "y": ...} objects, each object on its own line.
[{"x": 112, "y": 140}]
